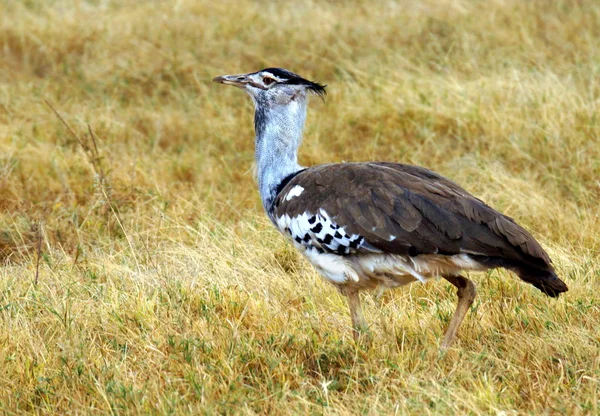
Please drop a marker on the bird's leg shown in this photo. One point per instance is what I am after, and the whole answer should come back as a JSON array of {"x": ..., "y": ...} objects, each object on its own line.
[
  {"x": 359, "y": 325},
  {"x": 466, "y": 296}
]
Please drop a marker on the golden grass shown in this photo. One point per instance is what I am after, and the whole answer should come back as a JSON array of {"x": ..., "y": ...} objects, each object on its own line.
[{"x": 163, "y": 289}]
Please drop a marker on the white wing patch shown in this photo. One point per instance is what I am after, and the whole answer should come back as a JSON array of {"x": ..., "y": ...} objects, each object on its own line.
[{"x": 294, "y": 192}]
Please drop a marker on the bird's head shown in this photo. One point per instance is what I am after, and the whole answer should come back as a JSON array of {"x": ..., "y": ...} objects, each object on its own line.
[{"x": 273, "y": 86}]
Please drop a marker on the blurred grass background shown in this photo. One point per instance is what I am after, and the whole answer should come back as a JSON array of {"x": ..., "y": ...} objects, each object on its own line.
[{"x": 161, "y": 286}]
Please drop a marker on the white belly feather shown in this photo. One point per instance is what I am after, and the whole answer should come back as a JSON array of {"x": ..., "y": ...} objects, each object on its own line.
[{"x": 388, "y": 270}]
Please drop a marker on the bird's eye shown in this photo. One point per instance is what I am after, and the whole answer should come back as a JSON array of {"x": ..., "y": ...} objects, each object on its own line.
[{"x": 268, "y": 81}]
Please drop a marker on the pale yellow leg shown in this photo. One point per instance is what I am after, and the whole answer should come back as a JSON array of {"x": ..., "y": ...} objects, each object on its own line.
[
  {"x": 359, "y": 325},
  {"x": 466, "y": 296}
]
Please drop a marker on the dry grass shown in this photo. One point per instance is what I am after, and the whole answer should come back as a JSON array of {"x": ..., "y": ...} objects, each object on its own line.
[{"x": 162, "y": 287}]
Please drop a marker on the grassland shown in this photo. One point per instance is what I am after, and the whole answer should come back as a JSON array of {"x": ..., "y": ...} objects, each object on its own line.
[{"x": 139, "y": 275}]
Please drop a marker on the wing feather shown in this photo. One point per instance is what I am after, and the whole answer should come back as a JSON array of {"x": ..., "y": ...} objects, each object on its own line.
[{"x": 407, "y": 209}]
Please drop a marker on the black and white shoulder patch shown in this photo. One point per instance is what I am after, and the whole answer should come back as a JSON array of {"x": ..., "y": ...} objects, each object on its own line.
[{"x": 318, "y": 230}]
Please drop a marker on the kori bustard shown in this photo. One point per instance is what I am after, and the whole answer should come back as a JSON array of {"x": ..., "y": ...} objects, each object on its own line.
[{"x": 379, "y": 224}]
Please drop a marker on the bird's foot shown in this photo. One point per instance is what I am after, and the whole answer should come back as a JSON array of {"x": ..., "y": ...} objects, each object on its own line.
[{"x": 363, "y": 337}]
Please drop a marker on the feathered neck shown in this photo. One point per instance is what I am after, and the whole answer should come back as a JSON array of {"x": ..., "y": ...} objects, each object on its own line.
[{"x": 278, "y": 135}]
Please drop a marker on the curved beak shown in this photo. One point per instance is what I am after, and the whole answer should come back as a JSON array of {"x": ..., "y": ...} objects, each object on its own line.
[{"x": 236, "y": 80}]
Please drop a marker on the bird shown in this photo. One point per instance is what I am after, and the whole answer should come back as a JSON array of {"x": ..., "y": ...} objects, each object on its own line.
[{"x": 377, "y": 225}]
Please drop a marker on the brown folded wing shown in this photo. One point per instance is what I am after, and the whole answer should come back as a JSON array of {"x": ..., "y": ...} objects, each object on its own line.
[{"x": 410, "y": 210}]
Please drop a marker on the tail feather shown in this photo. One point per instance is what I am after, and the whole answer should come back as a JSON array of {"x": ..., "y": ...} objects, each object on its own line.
[
  {"x": 542, "y": 277},
  {"x": 545, "y": 280}
]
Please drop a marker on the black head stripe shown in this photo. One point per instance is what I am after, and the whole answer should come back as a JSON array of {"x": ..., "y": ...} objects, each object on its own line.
[
  {"x": 280, "y": 73},
  {"x": 292, "y": 79}
]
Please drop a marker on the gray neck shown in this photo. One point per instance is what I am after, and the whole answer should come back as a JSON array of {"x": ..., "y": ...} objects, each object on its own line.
[{"x": 278, "y": 136}]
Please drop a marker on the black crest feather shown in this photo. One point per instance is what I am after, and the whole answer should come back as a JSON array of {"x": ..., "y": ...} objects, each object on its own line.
[{"x": 294, "y": 79}]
